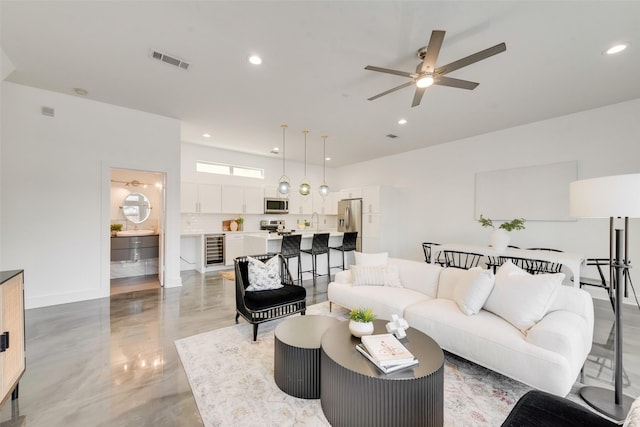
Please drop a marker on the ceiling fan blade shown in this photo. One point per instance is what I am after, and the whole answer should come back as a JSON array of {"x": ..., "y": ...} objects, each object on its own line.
[
  {"x": 451, "y": 82},
  {"x": 433, "y": 50},
  {"x": 388, "y": 71},
  {"x": 417, "y": 97},
  {"x": 391, "y": 90},
  {"x": 478, "y": 56}
]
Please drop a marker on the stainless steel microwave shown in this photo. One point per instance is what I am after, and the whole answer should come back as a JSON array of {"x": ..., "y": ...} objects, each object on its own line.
[{"x": 274, "y": 205}]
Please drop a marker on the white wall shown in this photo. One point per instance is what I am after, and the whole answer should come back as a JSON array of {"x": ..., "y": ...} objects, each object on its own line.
[
  {"x": 437, "y": 183},
  {"x": 55, "y": 194}
]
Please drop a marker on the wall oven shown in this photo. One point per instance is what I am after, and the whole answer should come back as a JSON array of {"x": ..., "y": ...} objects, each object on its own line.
[{"x": 273, "y": 205}]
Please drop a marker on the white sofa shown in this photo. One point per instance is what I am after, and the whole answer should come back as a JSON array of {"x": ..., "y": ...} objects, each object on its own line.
[{"x": 548, "y": 355}]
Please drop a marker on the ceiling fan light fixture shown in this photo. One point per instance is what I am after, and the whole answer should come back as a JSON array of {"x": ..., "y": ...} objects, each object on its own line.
[{"x": 424, "y": 81}]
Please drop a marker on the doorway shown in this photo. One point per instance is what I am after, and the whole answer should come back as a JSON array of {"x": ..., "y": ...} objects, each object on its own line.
[{"x": 137, "y": 219}]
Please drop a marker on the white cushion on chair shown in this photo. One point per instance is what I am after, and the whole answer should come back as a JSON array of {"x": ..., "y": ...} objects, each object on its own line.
[{"x": 264, "y": 276}]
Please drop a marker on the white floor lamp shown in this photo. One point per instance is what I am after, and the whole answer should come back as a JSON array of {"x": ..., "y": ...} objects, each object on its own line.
[{"x": 610, "y": 197}]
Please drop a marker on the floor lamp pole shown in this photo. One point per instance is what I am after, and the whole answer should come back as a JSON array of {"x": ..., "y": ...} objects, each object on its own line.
[{"x": 614, "y": 404}]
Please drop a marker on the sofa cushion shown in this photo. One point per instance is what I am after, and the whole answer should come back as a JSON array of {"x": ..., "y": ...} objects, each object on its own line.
[
  {"x": 264, "y": 276},
  {"x": 376, "y": 275},
  {"x": 371, "y": 259},
  {"x": 418, "y": 275},
  {"x": 473, "y": 289},
  {"x": 522, "y": 299},
  {"x": 384, "y": 300}
]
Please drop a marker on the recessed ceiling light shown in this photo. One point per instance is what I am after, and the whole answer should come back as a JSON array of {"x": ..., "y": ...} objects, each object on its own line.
[
  {"x": 275, "y": 150},
  {"x": 616, "y": 48},
  {"x": 255, "y": 60},
  {"x": 80, "y": 91},
  {"x": 327, "y": 158},
  {"x": 206, "y": 135},
  {"x": 402, "y": 121}
]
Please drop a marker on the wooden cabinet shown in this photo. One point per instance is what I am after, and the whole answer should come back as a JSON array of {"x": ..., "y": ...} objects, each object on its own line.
[
  {"x": 200, "y": 198},
  {"x": 12, "y": 356}
]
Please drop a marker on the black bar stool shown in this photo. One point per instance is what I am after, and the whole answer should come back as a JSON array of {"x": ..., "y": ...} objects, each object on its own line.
[
  {"x": 348, "y": 244},
  {"x": 291, "y": 249},
  {"x": 319, "y": 246}
]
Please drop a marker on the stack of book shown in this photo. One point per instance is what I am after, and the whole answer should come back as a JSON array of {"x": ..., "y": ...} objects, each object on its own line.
[{"x": 386, "y": 352}]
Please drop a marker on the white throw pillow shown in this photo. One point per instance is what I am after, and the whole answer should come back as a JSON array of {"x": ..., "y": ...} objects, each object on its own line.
[
  {"x": 522, "y": 299},
  {"x": 473, "y": 289},
  {"x": 376, "y": 275},
  {"x": 264, "y": 276},
  {"x": 372, "y": 259}
]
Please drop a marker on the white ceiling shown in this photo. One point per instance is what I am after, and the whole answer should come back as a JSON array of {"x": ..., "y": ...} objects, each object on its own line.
[{"x": 313, "y": 73}]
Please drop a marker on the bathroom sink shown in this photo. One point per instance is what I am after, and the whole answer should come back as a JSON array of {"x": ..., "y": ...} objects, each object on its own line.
[{"x": 135, "y": 233}]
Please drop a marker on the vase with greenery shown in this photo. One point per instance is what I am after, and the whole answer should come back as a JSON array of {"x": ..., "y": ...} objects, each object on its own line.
[
  {"x": 115, "y": 228},
  {"x": 361, "y": 321},
  {"x": 240, "y": 221},
  {"x": 500, "y": 238}
]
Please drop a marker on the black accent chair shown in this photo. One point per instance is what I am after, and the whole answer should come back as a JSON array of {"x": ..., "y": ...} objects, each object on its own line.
[
  {"x": 263, "y": 306},
  {"x": 464, "y": 260},
  {"x": 540, "y": 409},
  {"x": 531, "y": 266},
  {"x": 426, "y": 248},
  {"x": 319, "y": 246},
  {"x": 291, "y": 249},
  {"x": 349, "y": 240},
  {"x": 493, "y": 262}
]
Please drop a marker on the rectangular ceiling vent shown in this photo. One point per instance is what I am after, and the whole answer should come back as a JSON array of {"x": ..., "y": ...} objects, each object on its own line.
[
  {"x": 391, "y": 136},
  {"x": 170, "y": 60}
]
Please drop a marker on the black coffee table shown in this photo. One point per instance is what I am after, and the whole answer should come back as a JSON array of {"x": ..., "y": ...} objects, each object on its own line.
[
  {"x": 353, "y": 392},
  {"x": 296, "y": 367}
]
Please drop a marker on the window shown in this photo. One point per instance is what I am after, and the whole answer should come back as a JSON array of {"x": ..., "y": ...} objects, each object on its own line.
[{"x": 222, "y": 169}]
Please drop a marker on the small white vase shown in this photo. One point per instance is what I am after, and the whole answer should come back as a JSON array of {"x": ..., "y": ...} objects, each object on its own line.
[
  {"x": 499, "y": 239},
  {"x": 359, "y": 329}
]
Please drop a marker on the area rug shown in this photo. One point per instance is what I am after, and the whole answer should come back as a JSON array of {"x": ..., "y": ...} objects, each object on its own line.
[{"x": 232, "y": 381}]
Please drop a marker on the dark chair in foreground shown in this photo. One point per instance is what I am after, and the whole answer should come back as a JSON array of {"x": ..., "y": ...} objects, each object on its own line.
[
  {"x": 493, "y": 261},
  {"x": 349, "y": 240},
  {"x": 261, "y": 306},
  {"x": 464, "y": 260},
  {"x": 291, "y": 249},
  {"x": 426, "y": 248},
  {"x": 319, "y": 246},
  {"x": 539, "y": 409}
]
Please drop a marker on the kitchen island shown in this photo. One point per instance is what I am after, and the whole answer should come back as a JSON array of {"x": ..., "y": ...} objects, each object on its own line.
[{"x": 257, "y": 244}]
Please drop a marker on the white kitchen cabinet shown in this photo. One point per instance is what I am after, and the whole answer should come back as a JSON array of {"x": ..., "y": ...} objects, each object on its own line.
[
  {"x": 299, "y": 204},
  {"x": 325, "y": 206},
  {"x": 233, "y": 247},
  {"x": 350, "y": 193},
  {"x": 371, "y": 225},
  {"x": 242, "y": 200},
  {"x": 200, "y": 198},
  {"x": 253, "y": 200},
  {"x": 371, "y": 199}
]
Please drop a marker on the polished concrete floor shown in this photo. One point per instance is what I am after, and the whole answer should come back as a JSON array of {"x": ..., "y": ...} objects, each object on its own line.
[{"x": 112, "y": 362}]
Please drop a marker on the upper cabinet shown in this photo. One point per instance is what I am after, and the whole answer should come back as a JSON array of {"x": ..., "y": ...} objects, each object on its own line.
[
  {"x": 326, "y": 206},
  {"x": 242, "y": 200},
  {"x": 200, "y": 198},
  {"x": 350, "y": 193},
  {"x": 299, "y": 204}
]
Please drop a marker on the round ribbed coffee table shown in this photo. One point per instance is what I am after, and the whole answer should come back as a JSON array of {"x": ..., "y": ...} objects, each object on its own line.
[
  {"x": 296, "y": 367},
  {"x": 353, "y": 392}
]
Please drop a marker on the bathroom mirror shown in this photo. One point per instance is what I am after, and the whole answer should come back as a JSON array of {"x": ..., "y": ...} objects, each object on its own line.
[{"x": 136, "y": 207}]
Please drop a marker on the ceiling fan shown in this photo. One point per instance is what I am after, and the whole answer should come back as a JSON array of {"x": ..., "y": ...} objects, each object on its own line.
[{"x": 428, "y": 74}]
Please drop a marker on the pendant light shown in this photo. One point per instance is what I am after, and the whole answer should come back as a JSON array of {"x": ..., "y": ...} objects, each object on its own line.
[
  {"x": 324, "y": 188},
  {"x": 305, "y": 188},
  {"x": 283, "y": 184}
]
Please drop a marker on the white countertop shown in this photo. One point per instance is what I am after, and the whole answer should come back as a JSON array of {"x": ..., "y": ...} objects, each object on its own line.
[{"x": 202, "y": 233}]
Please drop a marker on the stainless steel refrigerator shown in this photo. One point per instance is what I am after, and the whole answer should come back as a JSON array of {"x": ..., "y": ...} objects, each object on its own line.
[{"x": 350, "y": 218}]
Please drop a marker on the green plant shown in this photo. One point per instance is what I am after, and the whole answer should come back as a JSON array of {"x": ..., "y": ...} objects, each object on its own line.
[
  {"x": 362, "y": 315},
  {"x": 239, "y": 220},
  {"x": 514, "y": 224},
  {"x": 116, "y": 227}
]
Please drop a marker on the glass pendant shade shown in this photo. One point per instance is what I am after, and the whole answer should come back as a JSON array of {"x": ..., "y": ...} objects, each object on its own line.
[
  {"x": 305, "y": 187},
  {"x": 324, "y": 188},
  {"x": 283, "y": 183}
]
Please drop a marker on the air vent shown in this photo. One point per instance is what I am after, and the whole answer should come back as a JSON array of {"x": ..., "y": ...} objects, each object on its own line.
[
  {"x": 392, "y": 136},
  {"x": 170, "y": 60},
  {"x": 48, "y": 111}
]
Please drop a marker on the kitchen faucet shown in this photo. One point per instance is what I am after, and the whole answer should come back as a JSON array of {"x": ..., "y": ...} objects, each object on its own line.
[{"x": 317, "y": 222}]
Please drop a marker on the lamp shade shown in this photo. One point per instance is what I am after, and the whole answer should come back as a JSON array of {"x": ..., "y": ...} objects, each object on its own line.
[{"x": 609, "y": 196}]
